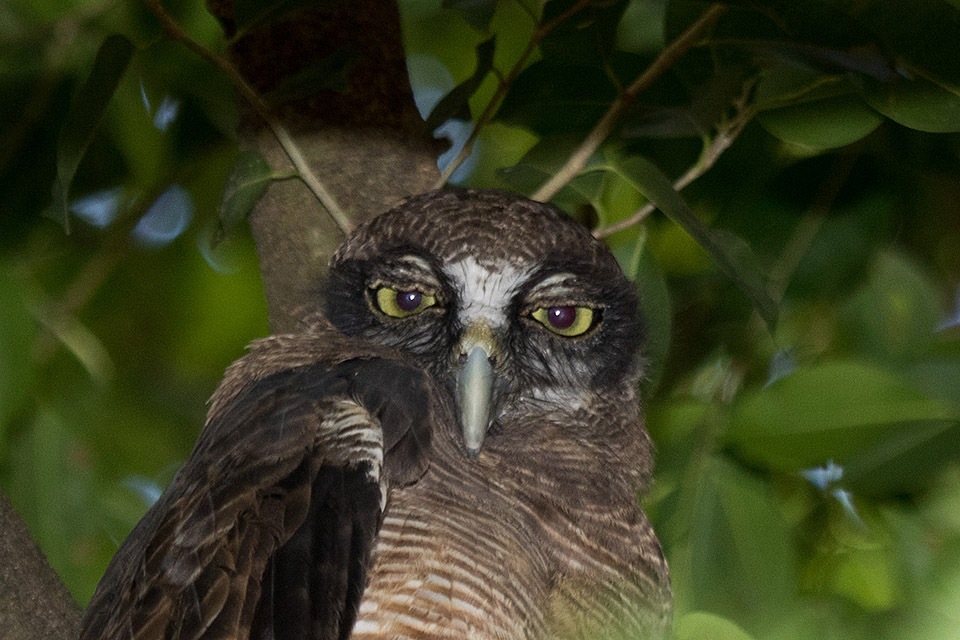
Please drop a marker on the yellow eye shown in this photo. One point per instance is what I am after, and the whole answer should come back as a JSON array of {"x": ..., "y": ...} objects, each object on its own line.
[
  {"x": 400, "y": 304},
  {"x": 568, "y": 321}
]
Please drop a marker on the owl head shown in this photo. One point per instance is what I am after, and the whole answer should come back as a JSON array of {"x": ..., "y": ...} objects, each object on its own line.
[{"x": 510, "y": 304}]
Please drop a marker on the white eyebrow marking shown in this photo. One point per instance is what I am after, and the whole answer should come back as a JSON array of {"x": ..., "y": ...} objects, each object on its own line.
[
  {"x": 416, "y": 266},
  {"x": 416, "y": 261},
  {"x": 485, "y": 293},
  {"x": 413, "y": 268},
  {"x": 557, "y": 284}
]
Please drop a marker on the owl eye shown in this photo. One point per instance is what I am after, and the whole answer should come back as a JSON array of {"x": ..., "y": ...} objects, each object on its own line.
[
  {"x": 568, "y": 321},
  {"x": 398, "y": 303}
]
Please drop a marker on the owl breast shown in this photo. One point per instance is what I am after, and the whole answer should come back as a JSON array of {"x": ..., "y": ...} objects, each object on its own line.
[{"x": 449, "y": 565}]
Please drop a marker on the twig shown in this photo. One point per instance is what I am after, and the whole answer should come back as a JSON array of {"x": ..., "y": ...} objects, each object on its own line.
[
  {"x": 279, "y": 131},
  {"x": 494, "y": 103},
  {"x": 578, "y": 159},
  {"x": 727, "y": 132}
]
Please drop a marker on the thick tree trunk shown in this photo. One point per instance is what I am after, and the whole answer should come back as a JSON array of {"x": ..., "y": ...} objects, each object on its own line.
[
  {"x": 34, "y": 604},
  {"x": 367, "y": 144}
]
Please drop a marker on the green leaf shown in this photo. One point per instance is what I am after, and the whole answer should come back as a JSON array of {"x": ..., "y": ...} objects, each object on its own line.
[
  {"x": 698, "y": 625},
  {"x": 917, "y": 32},
  {"x": 821, "y": 124},
  {"x": 783, "y": 85},
  {"x": 734, "y": 537},
  {"x": 893, "y": 316},
  {"x": 865, "y": 58},
  {"x": 839, "y": 258},
  {"x": 47, "y": 489},
  {"x": 905, "y": 461},
  {"x": 937, "y": 375},
  {"x": 731, "y": 254},
  {"x": 456, "y": 104},
  {"x": 83, "y": 118},
  {"x": 584, "y": 37},
  {"x": 545, "y": 159},
  {"x": 17, "y": 365},
  {"x": 477, "y": 13},
  {"x": 697, "y": 113},
  {"x": 250, "y": 177},
  {"x": 677, "y": 420},
  {"x": 829, "y": 412},
  {"x": 551, "y": 97},
  {"x": 918, "y": 104},
  {"x": 867, "y": 577}
]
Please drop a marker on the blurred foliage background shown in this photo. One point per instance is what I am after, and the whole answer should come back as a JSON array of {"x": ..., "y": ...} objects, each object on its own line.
[{"x": 808, "y": 483}]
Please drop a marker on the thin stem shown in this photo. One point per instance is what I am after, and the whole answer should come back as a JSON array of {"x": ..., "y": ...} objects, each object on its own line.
[
  {"x": 494, "y": 103},
  {"x": 578, "y": 159},
  {"x": 263, "y": 110},
  {"x": 635, "y": 218},
  {"x": 727, "y": 132}
]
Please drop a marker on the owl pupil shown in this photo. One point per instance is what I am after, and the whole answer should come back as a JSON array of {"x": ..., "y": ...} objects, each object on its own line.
[
  {"x": 561, "y": 317},
  {"x": 409, "y": 300}
]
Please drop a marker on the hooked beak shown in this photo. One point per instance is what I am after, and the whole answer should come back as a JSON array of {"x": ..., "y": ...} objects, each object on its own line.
[{"x": 475, "y": 389}]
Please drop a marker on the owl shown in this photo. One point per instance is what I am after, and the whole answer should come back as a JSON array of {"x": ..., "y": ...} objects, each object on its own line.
[{"x": 454, "y": 448}]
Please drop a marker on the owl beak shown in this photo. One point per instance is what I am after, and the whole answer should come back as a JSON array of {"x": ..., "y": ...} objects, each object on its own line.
[{"x": 475, "y": 387}]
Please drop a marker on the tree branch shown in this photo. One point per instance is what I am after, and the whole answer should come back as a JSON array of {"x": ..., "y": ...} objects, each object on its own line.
[
  {"x": 727, "y": 132},
  {"x": 33, "y": 601},
  {"x": 263, "y": 110},
  {"x": 494, "y": 103},
  {"x": 578, "y": 159}
]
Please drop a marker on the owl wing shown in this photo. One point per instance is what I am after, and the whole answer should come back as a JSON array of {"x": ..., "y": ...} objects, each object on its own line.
[{"x": 267, "y": 530}]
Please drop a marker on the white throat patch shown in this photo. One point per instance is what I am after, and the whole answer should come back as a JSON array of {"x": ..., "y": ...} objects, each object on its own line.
[{"x": 485, "y": 293}]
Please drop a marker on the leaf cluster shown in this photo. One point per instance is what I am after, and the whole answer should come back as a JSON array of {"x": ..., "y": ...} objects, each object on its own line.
[
  {"x": 799, "y": 294},
  {"x": 783, "y": 193}
]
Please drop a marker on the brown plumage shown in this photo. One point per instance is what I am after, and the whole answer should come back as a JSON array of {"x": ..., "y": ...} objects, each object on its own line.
[{"x": 455, "y": 450}]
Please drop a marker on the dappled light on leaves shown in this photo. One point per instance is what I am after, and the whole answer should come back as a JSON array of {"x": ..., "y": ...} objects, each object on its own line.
[
  {"x": 430, "y": 81},
  {"x": 165, "y": 219},
  {"x": 100, "y": 208}
]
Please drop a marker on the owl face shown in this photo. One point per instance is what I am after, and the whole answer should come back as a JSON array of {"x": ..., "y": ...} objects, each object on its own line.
[{"x": 510, "y": 304}]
